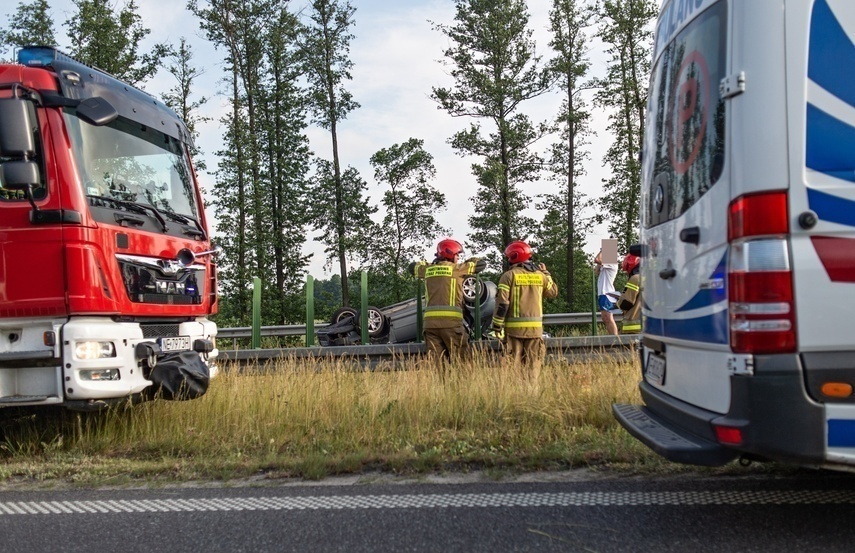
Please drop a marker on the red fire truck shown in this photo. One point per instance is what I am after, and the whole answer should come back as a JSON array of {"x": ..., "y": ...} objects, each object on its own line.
[{"x": 107, "y": 272}]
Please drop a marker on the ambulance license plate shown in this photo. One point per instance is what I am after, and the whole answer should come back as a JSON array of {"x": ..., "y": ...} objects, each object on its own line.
[
  {"x": 175, "y": 343},
  {"x": 654, "y": 372}
]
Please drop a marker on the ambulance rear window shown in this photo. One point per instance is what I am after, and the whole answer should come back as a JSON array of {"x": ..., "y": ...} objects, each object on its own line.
[{"x": 684, "y": 156}]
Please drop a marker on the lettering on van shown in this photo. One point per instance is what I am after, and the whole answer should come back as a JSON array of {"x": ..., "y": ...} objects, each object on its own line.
[{"x": 673, "y": 17}]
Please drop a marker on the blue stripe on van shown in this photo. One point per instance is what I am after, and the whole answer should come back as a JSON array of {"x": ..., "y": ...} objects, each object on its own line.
[
  {"x": 711, "y": 329},
  {"x": 831, "y": 54},
  {"x": 830, "y": 143},
  {"x": 841, "y": 433},
  {"x": 710, "y": 296},
  {"x": 833, "y": 209}
]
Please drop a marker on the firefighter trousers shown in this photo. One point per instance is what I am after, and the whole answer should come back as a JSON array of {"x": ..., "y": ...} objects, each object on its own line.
[{"x": 526, "y": 353}]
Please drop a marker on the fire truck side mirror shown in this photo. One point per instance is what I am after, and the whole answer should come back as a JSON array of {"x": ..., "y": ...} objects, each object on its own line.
[
  {"x": 97, "y": 111},
  {"x": 16, "y": 133},
  {"x": 19, "y": 175}
]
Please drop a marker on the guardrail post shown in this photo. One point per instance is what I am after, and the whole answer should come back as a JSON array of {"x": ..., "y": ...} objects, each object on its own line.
[
  {"x": 256, "y": 312},
  {"x": 310, "y": 311},
  {"x": 477, "y": 307},
  {"x": 419, "y": 293},
  {"x": 594, "y": 311},
  {"x": 363, "y": 310}
]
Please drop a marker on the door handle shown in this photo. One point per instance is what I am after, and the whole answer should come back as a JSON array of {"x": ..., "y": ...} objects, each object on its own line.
[{"x": 666, "y": 274}]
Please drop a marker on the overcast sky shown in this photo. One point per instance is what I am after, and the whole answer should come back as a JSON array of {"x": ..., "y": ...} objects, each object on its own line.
[{"x": 396, "y": 55}]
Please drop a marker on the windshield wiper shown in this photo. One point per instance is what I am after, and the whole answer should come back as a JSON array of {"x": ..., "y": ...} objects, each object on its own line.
[{"x": 133, "y": 206}]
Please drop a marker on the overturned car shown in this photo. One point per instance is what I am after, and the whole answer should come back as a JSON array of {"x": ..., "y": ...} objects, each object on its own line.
[{"x": 396, "y": 323}]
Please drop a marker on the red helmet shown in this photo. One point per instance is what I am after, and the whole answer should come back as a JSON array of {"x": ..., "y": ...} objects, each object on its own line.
[
  {"x": 630, "y": 262},
  {"x": 448, "y": 248},
  {"x": 518, "y": 252}
]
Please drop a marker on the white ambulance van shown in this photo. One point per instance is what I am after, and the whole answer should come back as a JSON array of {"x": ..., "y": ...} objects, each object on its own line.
[{"x": 748, "y": 234}]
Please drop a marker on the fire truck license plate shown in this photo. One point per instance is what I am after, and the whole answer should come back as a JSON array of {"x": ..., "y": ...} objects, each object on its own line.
[
  {"x": 176, "y": 343},
  {"x": 655, "y": 373}
]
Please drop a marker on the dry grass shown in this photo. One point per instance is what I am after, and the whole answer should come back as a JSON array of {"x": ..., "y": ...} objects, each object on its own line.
[{"x": 312, "y": 419}]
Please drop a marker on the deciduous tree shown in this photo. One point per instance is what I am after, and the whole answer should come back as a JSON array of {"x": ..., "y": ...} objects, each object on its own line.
[
  {"x": 30, "y": 25},
  {"x": 411, "y": 204},
  {"x": 110, "y": 40},
  {"x": 325, "y": 43}
]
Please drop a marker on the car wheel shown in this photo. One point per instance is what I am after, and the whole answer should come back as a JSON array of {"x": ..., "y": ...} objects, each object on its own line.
[
  {"x": 376, "y": 322},
  {"x": 470, "y": 285},
  {"x": 343, "y": 313}
]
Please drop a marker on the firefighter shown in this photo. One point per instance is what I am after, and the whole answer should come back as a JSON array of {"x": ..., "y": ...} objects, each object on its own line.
[
  {"x": 444, "y": 333},
  {"x": 518, "y": 319},
  {"x": 630, "y": 299}
]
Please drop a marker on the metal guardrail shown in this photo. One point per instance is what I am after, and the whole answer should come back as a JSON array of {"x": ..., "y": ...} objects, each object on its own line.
[
  {"x": 552, "y": 319},
  {"x": 371, "y": 356}
]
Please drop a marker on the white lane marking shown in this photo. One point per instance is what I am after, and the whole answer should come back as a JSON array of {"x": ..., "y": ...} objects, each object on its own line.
[{"x": 432, "y": 501}]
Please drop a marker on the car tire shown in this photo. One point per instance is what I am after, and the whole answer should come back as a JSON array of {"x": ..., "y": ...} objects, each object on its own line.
[
  {"x": 377, "y": 324},
  {"x": 342, "y": 313},
  {"x": 469, "y": 287}
]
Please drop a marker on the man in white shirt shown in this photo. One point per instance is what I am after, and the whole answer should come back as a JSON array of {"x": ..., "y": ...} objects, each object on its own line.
[{"x": 606, "y": 293}]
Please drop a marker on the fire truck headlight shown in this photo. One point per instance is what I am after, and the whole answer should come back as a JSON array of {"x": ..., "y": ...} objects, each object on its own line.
[{"x": 94, "y": 350}]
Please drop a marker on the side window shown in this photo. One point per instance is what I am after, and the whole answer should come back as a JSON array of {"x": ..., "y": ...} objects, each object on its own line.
[
  {"x": 39, "y": 191},
  {"x": 684, "y": 152}
]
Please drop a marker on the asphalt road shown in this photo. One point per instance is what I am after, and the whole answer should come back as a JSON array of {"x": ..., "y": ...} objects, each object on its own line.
[{"x": 808, "y": 511}]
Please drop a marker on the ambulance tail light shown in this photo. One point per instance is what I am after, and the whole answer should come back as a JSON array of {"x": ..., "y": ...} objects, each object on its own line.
[{"x": 760, "y": 281}]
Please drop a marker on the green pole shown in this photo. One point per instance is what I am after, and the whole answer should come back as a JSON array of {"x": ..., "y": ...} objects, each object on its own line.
[
  {"x": 310, "y": 311},
  {"x": 419, "y": 293},
  {"x": 477, "y": 307},
  {"x": 594, "y": 310},
  {"x": 256, "y": 312},
  {"x": 363, "y": 316}
]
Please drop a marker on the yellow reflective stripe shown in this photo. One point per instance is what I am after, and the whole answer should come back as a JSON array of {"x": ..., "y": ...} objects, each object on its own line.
[
  {"x": 471, "y": 269},
  {"x": 447, "y": 314},
  {"x": 636, "y": 326},
  {"x": 524, "y": 324},
  {"x": 548, "y": 282},
  {"x": 504, "y": 287},
  {"x": 443, "y": 308},
  {"x": 632, "y": 286}
]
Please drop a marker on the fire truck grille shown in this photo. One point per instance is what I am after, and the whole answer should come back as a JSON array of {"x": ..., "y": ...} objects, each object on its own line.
[
  {"x": 169, "y": 299},
  {"x": 159, "y": 330}
]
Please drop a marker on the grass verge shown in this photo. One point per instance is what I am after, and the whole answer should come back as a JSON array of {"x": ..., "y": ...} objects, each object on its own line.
[{"x": 312, "y": 419}]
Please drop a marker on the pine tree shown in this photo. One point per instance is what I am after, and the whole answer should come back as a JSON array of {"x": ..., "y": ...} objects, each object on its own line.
[
  {"x": 287, "y": 160},
  {"x": 627, "y": 32},
  {"x": 495, "y": 69},
  {"x": 30, "y": 25},
  {"x": 567, "y": 22}
]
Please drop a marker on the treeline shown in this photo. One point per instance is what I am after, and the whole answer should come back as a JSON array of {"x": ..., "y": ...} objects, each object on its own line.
[{"x": 288, "y": 71}]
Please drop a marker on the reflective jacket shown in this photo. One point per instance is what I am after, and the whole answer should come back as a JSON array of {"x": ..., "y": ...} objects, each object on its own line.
[
  {"x": 519, "y": 300},
  {"x": 630, "y": 304},
  {"x": 444, "y": 290}
]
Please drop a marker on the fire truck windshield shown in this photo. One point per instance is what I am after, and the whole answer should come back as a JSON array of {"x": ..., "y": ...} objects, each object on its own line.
[{"x": 129, "y": 162}]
